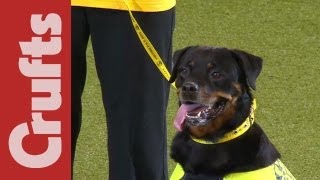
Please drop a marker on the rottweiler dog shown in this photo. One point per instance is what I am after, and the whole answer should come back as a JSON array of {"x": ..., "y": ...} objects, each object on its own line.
[{"x": 214, "y": 87}]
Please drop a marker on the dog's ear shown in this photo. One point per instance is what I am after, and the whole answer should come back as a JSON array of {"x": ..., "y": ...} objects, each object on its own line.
[
  {"x": 177, "y": 56},
  {"x": 250, "y": 64}
]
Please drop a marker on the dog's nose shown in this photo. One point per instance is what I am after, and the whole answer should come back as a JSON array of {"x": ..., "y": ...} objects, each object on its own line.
[{"x": 190, "y": 87}]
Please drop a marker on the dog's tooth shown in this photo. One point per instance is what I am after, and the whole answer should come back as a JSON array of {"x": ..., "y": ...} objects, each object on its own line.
[{"x": 191, "y": 117}]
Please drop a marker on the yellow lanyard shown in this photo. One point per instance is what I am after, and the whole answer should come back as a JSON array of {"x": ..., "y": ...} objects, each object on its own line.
[{"x": 149, "y": 47}]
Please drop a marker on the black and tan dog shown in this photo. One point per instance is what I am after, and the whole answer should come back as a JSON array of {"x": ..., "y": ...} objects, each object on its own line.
[{"x": 218, "y": 138}]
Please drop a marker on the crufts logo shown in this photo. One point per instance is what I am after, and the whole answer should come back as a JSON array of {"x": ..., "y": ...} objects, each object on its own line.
[{"x": 45, "y": 78}]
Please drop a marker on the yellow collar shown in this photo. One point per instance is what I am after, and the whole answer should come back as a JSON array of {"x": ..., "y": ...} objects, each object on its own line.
[{"x": 234, "y": 133}]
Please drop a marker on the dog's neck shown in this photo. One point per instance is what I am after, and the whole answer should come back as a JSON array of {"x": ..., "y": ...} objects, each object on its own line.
[{"x": 244, "y": 105}]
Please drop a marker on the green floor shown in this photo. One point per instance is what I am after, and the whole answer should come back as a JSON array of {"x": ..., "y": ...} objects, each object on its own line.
[{"x": 285, "y": 33}]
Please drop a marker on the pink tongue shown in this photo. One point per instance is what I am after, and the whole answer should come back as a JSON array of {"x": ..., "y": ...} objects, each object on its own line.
[{"x": 181, "y": 114}]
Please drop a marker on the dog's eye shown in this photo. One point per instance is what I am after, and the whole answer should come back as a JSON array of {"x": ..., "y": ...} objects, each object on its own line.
[
  {"x": 215, "y": 75},
  {"x": 183, "y": 71}
]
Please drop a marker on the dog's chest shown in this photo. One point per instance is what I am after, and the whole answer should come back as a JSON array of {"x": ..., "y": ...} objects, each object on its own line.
[{"x": 197, "y": 157}]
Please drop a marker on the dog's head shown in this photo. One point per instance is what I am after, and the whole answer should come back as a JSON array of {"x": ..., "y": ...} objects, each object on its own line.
[{"x": 210, "y": 83}]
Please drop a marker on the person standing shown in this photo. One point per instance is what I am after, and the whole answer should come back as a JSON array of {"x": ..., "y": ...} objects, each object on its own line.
[{"x": 135, "y": 95}]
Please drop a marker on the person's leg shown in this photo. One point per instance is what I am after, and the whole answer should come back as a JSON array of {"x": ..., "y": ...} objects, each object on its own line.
[
  {"x": 110, "y": 40},
  {"x": 150, "y": 143},
  {"x": 134, "y": 92},
  {"x": 79, "y": 41}
]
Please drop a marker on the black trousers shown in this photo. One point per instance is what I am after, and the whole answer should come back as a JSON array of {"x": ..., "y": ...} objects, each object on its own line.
[{"x": 135, "y": 94}]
